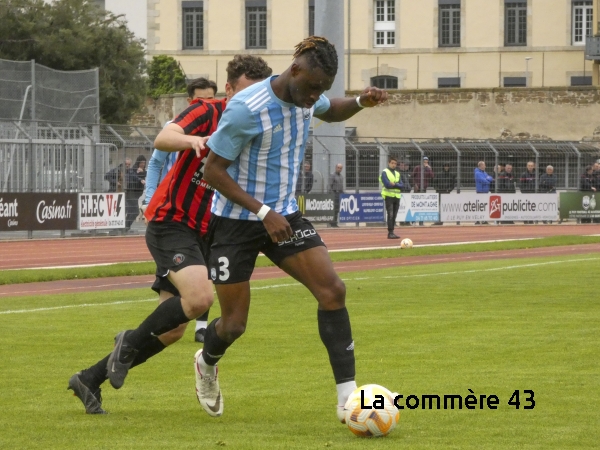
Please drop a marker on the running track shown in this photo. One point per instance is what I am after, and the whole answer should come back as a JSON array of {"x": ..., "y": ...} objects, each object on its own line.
[{"x": 82, "y": 251}]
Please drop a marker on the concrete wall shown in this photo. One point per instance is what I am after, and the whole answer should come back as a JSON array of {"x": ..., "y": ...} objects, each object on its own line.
[{"x": 556, "y": 113}]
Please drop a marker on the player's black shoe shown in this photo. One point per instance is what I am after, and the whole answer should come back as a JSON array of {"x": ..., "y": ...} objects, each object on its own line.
[
  {"x": 120, "y": 360},
  {"x": 199, "y": 337},
  {"x": 90, "y": 396}
]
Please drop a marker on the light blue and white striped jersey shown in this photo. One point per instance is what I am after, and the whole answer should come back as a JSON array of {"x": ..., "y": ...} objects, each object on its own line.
[
  {"x": 159, "y": 165},
  {"x": 265, "y": 138}
]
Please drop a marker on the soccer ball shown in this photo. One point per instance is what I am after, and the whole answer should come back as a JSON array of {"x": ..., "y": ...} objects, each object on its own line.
[
  {"x": 406, "y": 243},
  {"x": 380, "y": 420}
]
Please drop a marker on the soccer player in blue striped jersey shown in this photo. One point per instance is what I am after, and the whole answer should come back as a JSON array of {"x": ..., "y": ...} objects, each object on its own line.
[{"x": 254, "y": 165}]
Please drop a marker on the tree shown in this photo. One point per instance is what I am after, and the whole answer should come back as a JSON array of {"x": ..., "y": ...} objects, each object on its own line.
[
  {"x": 165, "y": 76},
  {"x": 77, "y": 35}
]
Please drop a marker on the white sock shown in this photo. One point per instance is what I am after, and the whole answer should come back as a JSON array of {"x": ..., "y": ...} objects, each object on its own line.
[
  {"x": 201, "y": 324},
  {"x": 344, "y": 390},
  {"x": 205, "y": 369}
]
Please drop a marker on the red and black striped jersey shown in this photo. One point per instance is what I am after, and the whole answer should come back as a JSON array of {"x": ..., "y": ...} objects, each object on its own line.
[{"x": 183, "y": 195}]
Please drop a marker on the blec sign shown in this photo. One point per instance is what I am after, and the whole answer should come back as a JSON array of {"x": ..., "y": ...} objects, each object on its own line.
[
  {"x": 101, "y": 211},
  {"x": 38, "y": 211}
]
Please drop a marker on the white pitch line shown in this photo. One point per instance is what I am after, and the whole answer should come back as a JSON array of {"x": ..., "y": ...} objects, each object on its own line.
[{"x": 274, "y": 286}]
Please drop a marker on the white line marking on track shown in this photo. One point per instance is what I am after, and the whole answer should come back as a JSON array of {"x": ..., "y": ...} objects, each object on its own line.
[{"x": 274, "y": 286}]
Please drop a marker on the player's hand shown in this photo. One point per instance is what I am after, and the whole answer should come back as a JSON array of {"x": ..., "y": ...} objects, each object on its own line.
[
  {"x": 372, "y": 96},
  {"x": 199, "y": 144},
  {"x": 277, "y": 226}
]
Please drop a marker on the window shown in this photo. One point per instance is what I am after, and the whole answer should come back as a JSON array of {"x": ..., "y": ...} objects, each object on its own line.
[
  {"x": 582, "y": 21},
  {"x": 449, "y": 82},
  {"x": 193, "y": 24},
  {"x": 581, "y": 81},
  {"x": 385, "y": 23},
  {"x": 515, "y": 23},
  {"x": 311, "y": 18},
  {"x": 515, "y": 82},
  {"x": 385, "y": 82},
  {"x": 449, "y": 32},
  {"x": 256, "y": 24}
]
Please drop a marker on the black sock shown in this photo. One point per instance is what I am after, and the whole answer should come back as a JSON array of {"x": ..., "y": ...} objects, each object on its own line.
[
  {"x": 153, "y": 348},
  {"x": 214, "y": 347},
  {"x": 166, "y": 317},
  {"x": 96, "y": 374},
  {"x": 336, "y": 334},
  {"x": 204, "y": 317}
]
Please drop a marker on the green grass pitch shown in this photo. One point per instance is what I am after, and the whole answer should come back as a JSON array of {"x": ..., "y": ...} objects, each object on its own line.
[{"x": 490, "y": 326}]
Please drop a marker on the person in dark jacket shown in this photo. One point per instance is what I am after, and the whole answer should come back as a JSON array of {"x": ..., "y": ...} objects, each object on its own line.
[
  {"x": 506, "y": 182},
  {"x": 135, "y": 179},
  {"x": 527, "y": 179},
  {"x": 587, "y": 180},
  {"x": 305, "y": 180},
  {"x": 548, "y": 181}
]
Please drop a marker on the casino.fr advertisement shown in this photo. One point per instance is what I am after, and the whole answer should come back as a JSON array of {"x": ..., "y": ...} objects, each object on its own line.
[
  {"x": 362, "y": 208},
  {"x": 101, "y": 211},
  {"x": 473, "y": 207}
]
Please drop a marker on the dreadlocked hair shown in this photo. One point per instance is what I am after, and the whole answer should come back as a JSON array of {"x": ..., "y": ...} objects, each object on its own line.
[{"x": 319, "y": 52}]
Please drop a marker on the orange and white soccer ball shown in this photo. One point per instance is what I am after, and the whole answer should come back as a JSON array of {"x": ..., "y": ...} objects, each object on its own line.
[
  {"x": 380, "y": 420},
  {"x": 406, "y": 243}
]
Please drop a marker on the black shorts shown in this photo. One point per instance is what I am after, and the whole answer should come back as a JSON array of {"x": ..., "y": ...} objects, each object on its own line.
[
  {"x": 173, "y": 246},
  {"x": 235, "y": 244}
]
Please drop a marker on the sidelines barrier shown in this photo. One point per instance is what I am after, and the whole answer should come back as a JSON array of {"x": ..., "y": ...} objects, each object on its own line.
[{"x": 63, "y": 211}]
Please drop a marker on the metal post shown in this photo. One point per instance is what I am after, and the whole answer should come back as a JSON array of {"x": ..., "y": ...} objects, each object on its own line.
[
  {"x": 328, "y": 153},
  {"x": 495, "y": 163},
  {"x": 537, "y": 161},
  {"x": 458, "y": 161},
  {"x": 578, "y": 153},
  {"x": 422, "y": 170},
  {"x": 33, "y": 89},
  {"x": 353, "y": 147},
  {"x": 97, "y": 73}
]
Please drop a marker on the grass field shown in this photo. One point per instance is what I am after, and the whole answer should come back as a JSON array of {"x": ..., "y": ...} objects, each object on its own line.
[{"x": 490, "y": 326}]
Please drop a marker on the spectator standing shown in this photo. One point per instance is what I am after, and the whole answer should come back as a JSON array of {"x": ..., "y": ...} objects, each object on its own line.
[
  {"x": 405, "y": 176},
  {"x": 482, "y": 182},
  {"x": 506, "y": 182},
  {"x": 445, "y": 183},
  {"x": 115, "y": 178},
  {"x": 305, "y": 180},
  {"x": 548, "y": 183},
  {"x": 134, "y": 181},
  {"x": 427, "y": 175},
  {"x": 587, "y": 184},
  {"x": 427, "y": 171},
  {"x": 336, "y": 186},
  {"x": 391, "y": 193},
  {"x": 527, "y": 181}
]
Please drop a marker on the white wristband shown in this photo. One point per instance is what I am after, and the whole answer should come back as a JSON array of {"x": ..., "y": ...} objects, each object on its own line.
[
  {"x": 358, "y": 102},
  {"x": 262, "y": 212}
]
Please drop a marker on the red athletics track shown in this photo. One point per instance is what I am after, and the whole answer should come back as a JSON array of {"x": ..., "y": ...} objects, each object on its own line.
[{"x": 104, "y": 250}]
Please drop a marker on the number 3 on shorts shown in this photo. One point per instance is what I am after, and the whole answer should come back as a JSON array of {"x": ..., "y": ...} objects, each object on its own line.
[{"x": 223, "y": 265}]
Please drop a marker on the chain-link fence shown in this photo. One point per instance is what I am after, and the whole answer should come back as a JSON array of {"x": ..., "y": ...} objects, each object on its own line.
[{"x": 30, "y": 91}]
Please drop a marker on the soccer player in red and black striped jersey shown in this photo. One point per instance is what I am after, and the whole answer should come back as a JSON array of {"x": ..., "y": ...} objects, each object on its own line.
[{"x": 178, "y": 217}]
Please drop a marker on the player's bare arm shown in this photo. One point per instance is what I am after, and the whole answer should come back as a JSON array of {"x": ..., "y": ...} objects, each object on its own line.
[
  {"x": 172, "y": 138},
  {"x": 344, "y": 108},
  {"x": 215, "y": 174}
]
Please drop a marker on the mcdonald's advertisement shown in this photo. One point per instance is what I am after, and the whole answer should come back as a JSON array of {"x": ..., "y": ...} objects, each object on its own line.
[{"x": 316, "y": 207}]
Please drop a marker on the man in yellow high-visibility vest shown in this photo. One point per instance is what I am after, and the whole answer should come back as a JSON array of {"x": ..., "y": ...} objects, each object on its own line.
[{"x": 391, "y": 193}]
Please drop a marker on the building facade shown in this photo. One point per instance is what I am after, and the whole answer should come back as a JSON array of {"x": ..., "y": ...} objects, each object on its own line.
[{"x": 396, "y": 44}]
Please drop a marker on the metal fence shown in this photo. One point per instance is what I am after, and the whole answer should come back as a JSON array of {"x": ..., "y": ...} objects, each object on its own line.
[
  {"x": 40, "y": 156},
  {"x": 61, "y": 157},
  {"x": 365, "y": 158},
  {"x": 30, "y": 91}
]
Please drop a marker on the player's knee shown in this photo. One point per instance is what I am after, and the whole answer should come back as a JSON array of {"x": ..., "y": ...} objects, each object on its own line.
[
  {"x": 198, "y": 303},
  {"x": 333, "y": 296}
]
